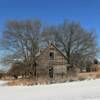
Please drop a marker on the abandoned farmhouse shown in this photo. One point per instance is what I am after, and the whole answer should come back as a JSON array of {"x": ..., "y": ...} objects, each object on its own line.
[{"x": 51, "y": 64}]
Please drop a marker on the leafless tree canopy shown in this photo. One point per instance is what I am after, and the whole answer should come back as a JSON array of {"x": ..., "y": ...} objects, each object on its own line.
[
  {"x": 78, "y": 44},
  {"x": 22, "y": 40}
]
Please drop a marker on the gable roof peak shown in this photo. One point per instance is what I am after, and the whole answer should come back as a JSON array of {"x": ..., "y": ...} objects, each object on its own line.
[{"x": 51, "y": 44}]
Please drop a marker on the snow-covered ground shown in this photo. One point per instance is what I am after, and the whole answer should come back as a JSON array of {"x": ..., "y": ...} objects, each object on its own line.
[
  {"x": 84, "y": 90},
  {"x": 2, "y": 83}
]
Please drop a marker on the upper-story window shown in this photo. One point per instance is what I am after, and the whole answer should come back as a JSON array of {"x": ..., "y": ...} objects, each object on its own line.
[{"x": 51, "y": 55}]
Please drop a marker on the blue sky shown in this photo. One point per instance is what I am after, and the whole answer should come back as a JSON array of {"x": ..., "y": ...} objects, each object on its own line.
[
  {"x": 87, "y": 12},
  {"x": 52, "y": 11}
]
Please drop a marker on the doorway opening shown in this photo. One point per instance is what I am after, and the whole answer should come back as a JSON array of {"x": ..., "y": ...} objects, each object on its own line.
[{"x": 51, "y": 70}]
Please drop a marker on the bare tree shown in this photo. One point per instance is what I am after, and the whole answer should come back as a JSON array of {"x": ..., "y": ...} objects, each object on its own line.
[
  {"x": 49, "y": 34},
  {"x": 78, "y": 44},
  {"x": 21, "y": 40},
  {"x": 20, "y": 69}
]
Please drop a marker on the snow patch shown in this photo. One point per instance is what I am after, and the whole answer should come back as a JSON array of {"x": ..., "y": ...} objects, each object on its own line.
[{"x": 80, "y": 90}]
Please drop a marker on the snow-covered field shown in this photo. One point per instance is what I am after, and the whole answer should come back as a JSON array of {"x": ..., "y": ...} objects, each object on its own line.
[
  {"x": 84, "y": 90},
  {"x": 2, "y": 83}
]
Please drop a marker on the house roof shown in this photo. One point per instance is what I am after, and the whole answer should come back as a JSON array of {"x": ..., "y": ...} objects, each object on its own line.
[
  {"x": 54, "y": 47},
  {"x": 58, "y": 50}
]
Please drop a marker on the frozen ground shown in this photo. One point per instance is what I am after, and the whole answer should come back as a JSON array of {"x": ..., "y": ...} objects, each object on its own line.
[
  {"x": 2, "y": 83},
  {"x": 84, "y": 90}
]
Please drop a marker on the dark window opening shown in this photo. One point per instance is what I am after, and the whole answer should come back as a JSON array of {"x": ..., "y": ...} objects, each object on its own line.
[
  {"x": 51, "y": 72},
  {"x": 51, "y": 55}
]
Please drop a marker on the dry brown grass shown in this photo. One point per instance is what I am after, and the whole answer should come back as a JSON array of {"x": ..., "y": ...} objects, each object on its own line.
[
  {"x": 20, "y": 82},
  {"x": 28, "y": 82},
  {"x": 41, "y": 80},
  {"x": 98, "y": 74},
  {"x": 89, "y": 75},
  {"x": 46, "y": 80}
]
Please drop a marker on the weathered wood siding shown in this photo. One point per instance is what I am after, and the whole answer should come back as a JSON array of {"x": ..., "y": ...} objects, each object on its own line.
[{"x": 58, "y": 63}]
